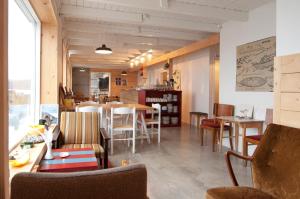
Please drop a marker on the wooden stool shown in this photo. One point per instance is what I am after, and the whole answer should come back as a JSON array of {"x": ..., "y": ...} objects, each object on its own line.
[{"x": 198, "y": 115}]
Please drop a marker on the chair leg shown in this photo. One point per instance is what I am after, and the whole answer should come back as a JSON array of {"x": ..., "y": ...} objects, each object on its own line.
[
  {"x": 133, "y": 141},
  {"x": 245, "y": 150},
  {"x": 190, "y": 120},
  {"x": 158, "y": 132},
  {"x": 111, "y": 142},
  {"x": 221, "y": 139},
  {"x": 201, "y": 135},
  {"x": 214, "y": 134},
  {"x": 230, "y": 138}
]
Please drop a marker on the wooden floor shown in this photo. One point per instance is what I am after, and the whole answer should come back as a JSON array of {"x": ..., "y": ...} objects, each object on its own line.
[{"x": 178, "y": 167}]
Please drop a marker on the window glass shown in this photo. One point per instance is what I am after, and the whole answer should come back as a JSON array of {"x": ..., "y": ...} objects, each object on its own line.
[{"x": 22, "y": 69}]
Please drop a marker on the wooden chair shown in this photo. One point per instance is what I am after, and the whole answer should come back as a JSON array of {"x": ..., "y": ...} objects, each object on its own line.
[
  {"x": 275, "y": 168},
  {"x": 119, "y": 129},
  {"x": 213, "y": 125},
  {"x": 255, "y": 139},
  {"x": 82, "y": 130},
  {"x": 155, "y": 121}
]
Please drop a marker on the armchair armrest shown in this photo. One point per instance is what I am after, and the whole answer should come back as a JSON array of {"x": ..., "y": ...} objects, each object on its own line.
[
  {"x": 56, "y": 136},
  {"x": 104, "y": 139},
  {"x": 229, "y": 165}
]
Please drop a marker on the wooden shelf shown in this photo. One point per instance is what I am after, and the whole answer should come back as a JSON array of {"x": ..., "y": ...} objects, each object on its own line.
[{"x": 143, "y": 94}]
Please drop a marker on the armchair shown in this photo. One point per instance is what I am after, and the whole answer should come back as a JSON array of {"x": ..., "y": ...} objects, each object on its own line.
[
  {"x": 82, "y": 130},
  {"x": 275, "y": 168}
]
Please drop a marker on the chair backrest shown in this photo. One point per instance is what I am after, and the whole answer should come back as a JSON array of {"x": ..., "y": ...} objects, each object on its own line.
[
  {"x": 157, "y": 108},
  {"x": 80, "y": 127},
  {"x": 114, "y": 102},
  {"x": 269, "y": 116},
  {"x": 122, "y": 182},
  {"x": 123, "y": 111},
  {"x": 88, "y": 103},
  {"x": 223, "y": 110},
  {"x": 276, "y": 165},
  {"x": 87, "y": 109}
]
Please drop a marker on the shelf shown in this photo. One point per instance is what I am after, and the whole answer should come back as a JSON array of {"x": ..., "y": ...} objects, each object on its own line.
[{"x": 172, "y": 102}]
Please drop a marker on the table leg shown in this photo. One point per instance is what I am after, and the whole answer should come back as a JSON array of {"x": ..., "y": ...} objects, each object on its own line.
[
  {"x": 244, "y": 150},
  {"x": 236, "y": 134},
  {"x": 260, "y": 128},
  {"x": 221, "y": 135},
  {"x": 145, "y": 127}
]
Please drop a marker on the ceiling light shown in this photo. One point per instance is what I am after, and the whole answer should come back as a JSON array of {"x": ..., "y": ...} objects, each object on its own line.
[
  {"x": 131, "y": 64},
  {"x": 149, "y": 56},
  {"x": 82, "y": 70},
  {"x": 136, "y": 62},
  {"x": 142, "y": 59},
  {"x": 103, "y": 50},
  {"x": 124, "y": 73}
]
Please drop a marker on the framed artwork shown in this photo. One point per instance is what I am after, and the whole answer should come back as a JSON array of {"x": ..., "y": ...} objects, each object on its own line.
[
  {"x": 177, "y": 79},
  {"x": 49, "y": 112},
  {"x": 255, "y": 65},
  {"x": 118, "y": 81}
]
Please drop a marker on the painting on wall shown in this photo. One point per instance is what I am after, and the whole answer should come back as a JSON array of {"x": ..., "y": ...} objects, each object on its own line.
[
  {"x": 255, "y": 65},
  {"x": 177, "y": 79}
]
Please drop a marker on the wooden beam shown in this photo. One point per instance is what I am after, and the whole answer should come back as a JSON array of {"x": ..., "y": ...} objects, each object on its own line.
[
  {"x": 49, "y": 64},
  {"x": 4, "y": 99},
  {"x": 44, "y": 10},
  {"x": 204, "y": 43},
  {"x": 181, "y": 8},
  {"x": 133, "y": 30},
  {"x": 101, "y": 14}
]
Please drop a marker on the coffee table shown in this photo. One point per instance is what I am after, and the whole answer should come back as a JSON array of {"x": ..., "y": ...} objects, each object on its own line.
[{"x": 79, "y": 160}]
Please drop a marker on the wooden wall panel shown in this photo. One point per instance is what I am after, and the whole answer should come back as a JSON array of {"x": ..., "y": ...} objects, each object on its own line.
[
  {"x": 287, "y": 90},
  {"x": 115, "y": 90},
  {"x": 49, "y": 64},
  {"x": 3, "y": 100}
]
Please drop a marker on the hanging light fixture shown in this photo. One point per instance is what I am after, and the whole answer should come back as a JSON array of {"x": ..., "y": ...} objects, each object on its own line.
[
  {"x": 124, "y": 73},
  {"x": 82, "y": 69},
  {"x": 103, "y": 50}
]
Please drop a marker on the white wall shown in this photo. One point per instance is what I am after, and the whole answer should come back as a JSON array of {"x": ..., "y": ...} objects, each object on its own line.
[
  {"x": 261, "y": 24},
  {"x": 288, "y": 27},
  {"x": 194, "y": 81}
]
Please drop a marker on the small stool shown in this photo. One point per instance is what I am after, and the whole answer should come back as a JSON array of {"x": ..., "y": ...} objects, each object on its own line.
[{"x": 198, "y": 115}]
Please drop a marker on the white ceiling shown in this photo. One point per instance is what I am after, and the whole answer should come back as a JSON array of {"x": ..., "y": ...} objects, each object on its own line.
[{"x": 131, "y": 27}]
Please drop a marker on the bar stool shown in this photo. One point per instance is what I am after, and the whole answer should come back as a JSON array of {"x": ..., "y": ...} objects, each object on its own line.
[{"x": 199, "y": 117}]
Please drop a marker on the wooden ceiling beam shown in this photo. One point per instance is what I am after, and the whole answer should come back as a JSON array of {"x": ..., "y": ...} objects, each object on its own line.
[
  {"x": 101, "y": 14},
  {"x": 45, "y": 10},
  {"x": 132, "y": 30},
  {"x": 196, "y": 46}
]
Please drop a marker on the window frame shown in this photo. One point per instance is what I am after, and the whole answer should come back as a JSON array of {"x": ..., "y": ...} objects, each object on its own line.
[{"x": 28, "y": 11}]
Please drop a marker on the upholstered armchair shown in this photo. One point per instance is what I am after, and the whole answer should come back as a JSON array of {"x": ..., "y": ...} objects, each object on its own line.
[
  {"x": 116, "y": 183},
  {"x": 82, "y": 130},
  {"x": 275, "y": 168}
]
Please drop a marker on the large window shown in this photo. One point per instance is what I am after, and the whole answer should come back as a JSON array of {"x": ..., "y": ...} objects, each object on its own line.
[{"x": 23, "y": 68}]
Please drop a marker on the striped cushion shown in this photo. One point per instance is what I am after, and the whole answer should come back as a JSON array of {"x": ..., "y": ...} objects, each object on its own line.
[
  {"x": 80, "y": 127},
  {"x": 97, "y": 148}
]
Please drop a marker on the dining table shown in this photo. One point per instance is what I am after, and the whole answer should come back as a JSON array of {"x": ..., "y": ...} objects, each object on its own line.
[
  {"x": 240, "y": 122},
  {"x": 140, "y": 113}
]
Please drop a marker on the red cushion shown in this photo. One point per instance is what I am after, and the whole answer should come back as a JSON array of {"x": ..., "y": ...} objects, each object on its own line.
[
  {"x": 212, "y": 123},
  {"x": 255, "y": 137}
]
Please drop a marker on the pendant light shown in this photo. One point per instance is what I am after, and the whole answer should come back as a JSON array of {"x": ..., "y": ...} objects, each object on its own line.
[
  {"x": 103, "y": 50},
  {"x": 124, "y": 73}
]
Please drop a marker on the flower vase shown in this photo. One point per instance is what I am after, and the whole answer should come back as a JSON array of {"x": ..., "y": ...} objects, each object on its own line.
[{"x": 49, "y": 155}]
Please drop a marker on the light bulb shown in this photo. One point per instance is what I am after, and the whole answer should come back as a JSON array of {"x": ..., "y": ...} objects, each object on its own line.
[
  {"x": 149, "y": 56},
  {"x": 136, "y": 62},
  {"x": 131, "y": 64},
  {"x": 142, "y": 60}
]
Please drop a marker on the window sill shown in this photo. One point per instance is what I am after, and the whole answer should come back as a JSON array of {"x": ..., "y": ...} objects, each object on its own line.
[{"x": 36, "y": 155}]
